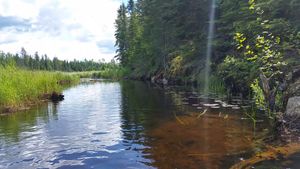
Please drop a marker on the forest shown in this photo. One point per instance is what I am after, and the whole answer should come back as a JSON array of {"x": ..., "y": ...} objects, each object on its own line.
[
  {"x": 43, "y": 62},
  {"x": 255, "y": 38}
]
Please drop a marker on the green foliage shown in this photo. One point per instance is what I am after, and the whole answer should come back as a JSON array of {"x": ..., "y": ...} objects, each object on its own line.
[
  {"x": 263, "y": 52},
  {"x": 169, "y": 38},
  {"x": 110, "y": 73},
  {"x": 153, "y": 31},
  {"x": 20, "y": 86},
  {"x": 216, "y": 85},
  {"x": 237, "y": 73},
  {"x": 258, "y": 95},
  {"x": 176, "y": 66},
  {"x": 121, "y": 35}
]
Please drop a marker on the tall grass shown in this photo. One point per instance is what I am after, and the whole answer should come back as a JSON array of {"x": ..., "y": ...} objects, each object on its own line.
[
  {"x": 111, "y": 73},
  {"x": 216, "y": 84},
  {"x": 18, "y": 87},
  {"x": 115, "y": 73}
]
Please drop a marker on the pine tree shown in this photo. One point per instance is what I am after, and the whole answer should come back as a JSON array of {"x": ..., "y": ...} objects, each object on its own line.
[{"x": 121, "y": 35}]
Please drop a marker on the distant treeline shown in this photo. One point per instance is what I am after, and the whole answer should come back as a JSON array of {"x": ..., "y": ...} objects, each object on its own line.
[{"x": 43, "y": 62}]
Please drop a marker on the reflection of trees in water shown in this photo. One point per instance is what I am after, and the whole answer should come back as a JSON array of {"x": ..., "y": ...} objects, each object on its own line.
[
  {"x": 12, "y": 125},
  {"x": 142, "y": 104},
  {"x": 148, "y": 123},
  {"x": 145, "y": 110},
  {"x": 143, "y": 107}
]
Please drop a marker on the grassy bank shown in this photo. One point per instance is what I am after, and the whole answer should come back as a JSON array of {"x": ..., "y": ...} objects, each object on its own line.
[
  {"x": 20, "y": 87},
  {"x": 115, "y": 73}
]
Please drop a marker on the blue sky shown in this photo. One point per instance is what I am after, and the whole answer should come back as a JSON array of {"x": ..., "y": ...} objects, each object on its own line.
[{"x": 67, "y": 29}]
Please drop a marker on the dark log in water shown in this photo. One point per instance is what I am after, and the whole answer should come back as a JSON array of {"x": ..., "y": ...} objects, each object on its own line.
[{"x": 56, "y": 97}]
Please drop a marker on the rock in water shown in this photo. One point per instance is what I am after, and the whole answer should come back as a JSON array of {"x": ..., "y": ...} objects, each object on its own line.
[
  {"x": 153, "y": 79},
  {"x": 57, "y": 97},
  {"x": 293, "y": 106},
  {"x": 164, "y": 81},
  {"x": 210, "y": 105}
]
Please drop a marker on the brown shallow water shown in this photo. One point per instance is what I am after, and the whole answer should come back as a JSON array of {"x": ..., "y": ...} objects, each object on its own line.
[
  {"x": 200, "y": 143},
  {"x": 130, "y": 125}
]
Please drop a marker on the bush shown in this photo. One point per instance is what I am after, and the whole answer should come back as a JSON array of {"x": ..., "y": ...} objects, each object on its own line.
[{"x": 258, "y": 95}]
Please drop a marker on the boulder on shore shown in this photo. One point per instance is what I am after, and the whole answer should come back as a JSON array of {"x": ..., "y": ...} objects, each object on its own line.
[
  {"x": 288, "y": 122},
  {"x": 159, "y": 79},
  {"x": 293, "y": 106},
  {"x": 292, "y": 94}
]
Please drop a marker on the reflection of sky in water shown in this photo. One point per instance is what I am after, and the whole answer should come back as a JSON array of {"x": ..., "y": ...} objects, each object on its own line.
[
  {"x": 123, "y": 125},
  {"x": 85, "y": 131},
  {"x": 94, "y": 111}
]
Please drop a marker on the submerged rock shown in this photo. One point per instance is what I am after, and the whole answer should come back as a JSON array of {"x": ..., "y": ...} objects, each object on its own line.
[
  {"x": 185, "y": 103},
  {"x": 246, "y": 107},
  {"x": 293, "y": 106},
  {"x": 236, "y": 108},
  {"x": 225, "y": 105},
  {"x": 210, "y": 105},
  {"x": 159, "y": 79},
  {"x": 164, "y": 81}
]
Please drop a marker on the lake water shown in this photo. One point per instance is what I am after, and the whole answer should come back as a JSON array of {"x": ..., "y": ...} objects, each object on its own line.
[{"x": 132, "y": 125}]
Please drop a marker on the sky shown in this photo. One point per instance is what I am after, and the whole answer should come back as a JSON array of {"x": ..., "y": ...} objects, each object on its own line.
[{"x": 67, "y": 29}]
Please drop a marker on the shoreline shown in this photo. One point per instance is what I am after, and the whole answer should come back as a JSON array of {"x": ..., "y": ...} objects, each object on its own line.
[
  {"x": 47, "y": 97},
  {"x": 20, "y": 88}
]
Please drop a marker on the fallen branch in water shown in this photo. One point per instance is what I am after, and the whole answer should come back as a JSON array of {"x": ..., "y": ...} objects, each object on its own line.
[
  {"x": 202, "y": 113},
  {"x": 226, "y": 116},
  {"x": 272, "y": 153},
  {"x": 178, "y": 119}
]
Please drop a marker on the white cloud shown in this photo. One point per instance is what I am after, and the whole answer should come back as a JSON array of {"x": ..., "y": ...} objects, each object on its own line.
[{"x": 67, "y": 29}]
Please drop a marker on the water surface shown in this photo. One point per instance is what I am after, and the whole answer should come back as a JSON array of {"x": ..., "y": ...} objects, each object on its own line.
[{"x": 127, "y": 125}]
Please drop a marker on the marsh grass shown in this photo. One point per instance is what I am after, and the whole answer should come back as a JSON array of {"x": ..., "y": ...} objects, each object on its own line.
[
  {"x": 115, "y": 73},
  {"x": 111, "y": 73},
  {"x": 18, "y": 87},
  {"x": 216, "y": 85}
]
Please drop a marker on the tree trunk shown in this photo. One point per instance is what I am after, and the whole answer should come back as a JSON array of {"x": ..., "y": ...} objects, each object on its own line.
[{"x": 269, "y": 94}]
